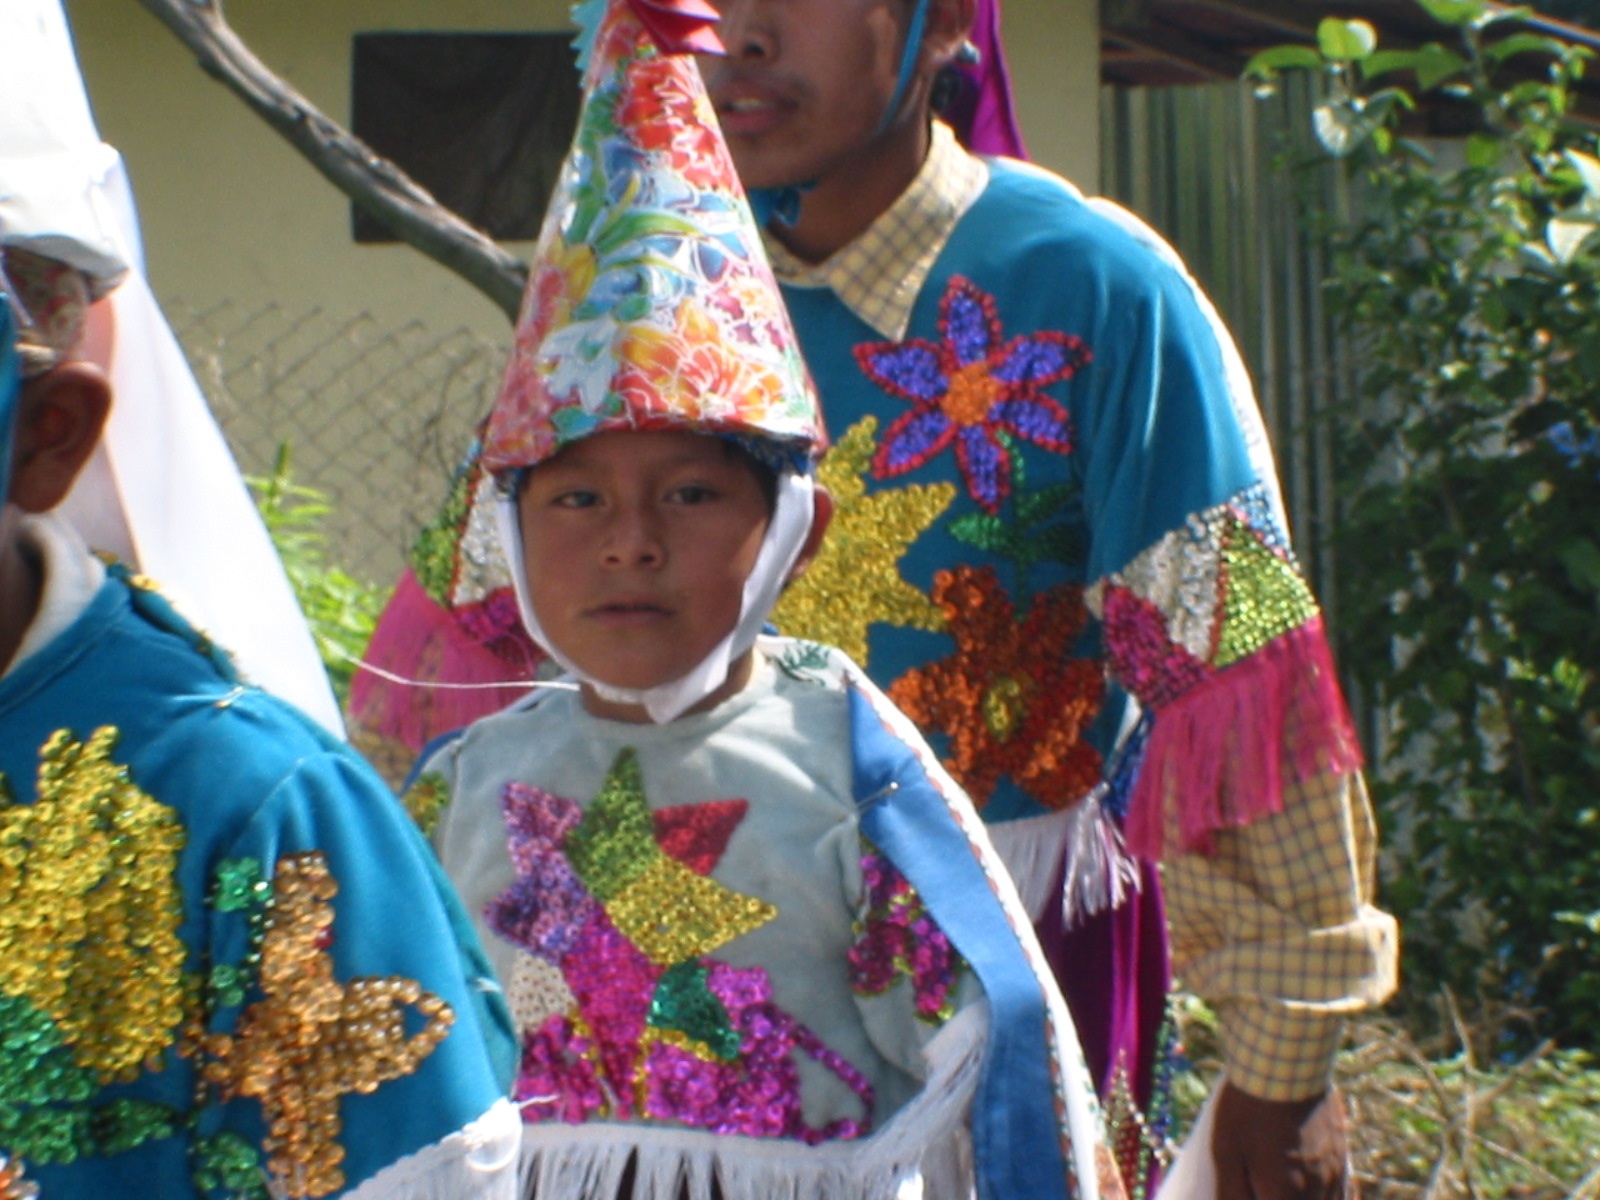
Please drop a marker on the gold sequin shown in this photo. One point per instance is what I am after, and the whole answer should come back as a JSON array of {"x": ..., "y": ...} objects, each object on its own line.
[
  {"x": 312, "y": 1040},
  {"x": 90, "y": 908},
  {"x": 674, "y": 915},
  {"x": 854, "y": 581}
]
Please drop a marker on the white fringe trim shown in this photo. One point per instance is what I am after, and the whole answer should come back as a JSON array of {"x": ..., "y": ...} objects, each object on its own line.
[
  {"x": 1099, "y": 871},
  {"x": 922, "y": 1153},
  {"x": 478, "y": 1162}
]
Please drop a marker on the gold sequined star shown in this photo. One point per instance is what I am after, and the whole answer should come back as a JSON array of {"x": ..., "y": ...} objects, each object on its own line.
[
  {"x": 311, "y": 1040},
  {"x": 854, "y": 581},
  {"x": 89, "y": 907}
]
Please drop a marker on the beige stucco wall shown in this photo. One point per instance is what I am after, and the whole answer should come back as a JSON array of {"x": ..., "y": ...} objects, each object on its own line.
[{"x": 230, "y": 211}]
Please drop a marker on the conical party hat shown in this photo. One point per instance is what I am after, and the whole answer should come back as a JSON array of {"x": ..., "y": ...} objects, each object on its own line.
[{"x": 650, "y": 303}]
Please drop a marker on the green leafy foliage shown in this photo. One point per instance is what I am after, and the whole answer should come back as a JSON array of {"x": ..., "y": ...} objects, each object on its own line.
[
  {"x": 1470, "y": 538},
  {"x": 340, "y": 608}
]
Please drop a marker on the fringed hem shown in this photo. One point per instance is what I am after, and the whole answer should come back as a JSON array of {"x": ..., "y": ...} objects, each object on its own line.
[
  {"x": 922, "y": 1150},
  {"x": 478, "y": 1162},
  {"x": 1081, "y": 847},
  {"x": 1218, "y": 754},
  {"x": 1099, "y": 871}
]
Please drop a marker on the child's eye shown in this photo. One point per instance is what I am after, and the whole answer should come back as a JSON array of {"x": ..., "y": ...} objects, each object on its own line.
[
  {"x": 692, "y": 493},
  {"x": 574, "y": 498}
]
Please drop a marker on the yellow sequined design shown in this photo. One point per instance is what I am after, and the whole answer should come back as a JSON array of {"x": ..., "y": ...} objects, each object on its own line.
[
  {"x": 426, "y": 799},
  {"x": 854, "y": 581},
  {"x": 311, "y": 1040},
  {"x": 1265, "y": 595},
  {"x": 90, "y": 910}
]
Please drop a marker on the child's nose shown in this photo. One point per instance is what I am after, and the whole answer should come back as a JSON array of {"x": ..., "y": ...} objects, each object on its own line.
[{"x": 634, "y": 540}]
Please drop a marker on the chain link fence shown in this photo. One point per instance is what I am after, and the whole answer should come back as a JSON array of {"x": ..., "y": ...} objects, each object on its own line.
[{"x": 376, "y": 418}]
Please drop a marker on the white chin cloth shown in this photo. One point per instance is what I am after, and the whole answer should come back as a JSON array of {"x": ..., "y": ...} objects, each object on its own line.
[{"x": 792, "y": 514}]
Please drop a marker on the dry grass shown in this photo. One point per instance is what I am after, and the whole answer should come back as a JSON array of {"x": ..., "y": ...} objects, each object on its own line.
[{"x": 1440, "y": 1120}]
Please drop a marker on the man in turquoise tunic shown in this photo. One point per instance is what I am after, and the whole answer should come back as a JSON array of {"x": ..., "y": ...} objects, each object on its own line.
[
  {"x": 1059, "y": 545},
  {"x": 229, "y": 965}
]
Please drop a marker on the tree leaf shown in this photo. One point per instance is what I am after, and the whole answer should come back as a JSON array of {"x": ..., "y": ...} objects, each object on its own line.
[
  {"x": 1567, "y": 238},
  {"x": 1588, "y": 168},
  {"x": 1523, "y": 43},
  {"x": 1265, "y": 64},
  {"x": 1484, "y": 151},
  {"x": 1454, "y": 12},
  {"x": 1346, "y": 41},
  {"x": 1437, "y": 65}
]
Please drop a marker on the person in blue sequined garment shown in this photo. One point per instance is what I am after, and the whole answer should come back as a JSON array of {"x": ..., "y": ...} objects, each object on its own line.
[{"x": 229, "y": 963}]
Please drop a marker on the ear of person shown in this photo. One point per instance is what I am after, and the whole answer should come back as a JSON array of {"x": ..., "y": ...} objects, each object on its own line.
[{"x": 59, "y": 422}]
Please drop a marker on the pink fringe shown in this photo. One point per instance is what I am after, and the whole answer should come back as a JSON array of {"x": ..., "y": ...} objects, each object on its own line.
[
  {"x": 422, "y": 642},
  {"x": 1221, "y": 750}
]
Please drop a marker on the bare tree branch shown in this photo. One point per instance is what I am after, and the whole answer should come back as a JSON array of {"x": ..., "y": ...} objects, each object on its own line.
[{"x": 369, "y": 180}]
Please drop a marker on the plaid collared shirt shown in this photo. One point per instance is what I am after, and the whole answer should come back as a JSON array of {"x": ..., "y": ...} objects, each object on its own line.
[{"x": 1277, "y": 928}]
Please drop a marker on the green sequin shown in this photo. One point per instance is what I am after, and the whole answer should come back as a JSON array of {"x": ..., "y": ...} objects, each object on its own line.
[
  {"x": 685, "y": 1004},
  {"x": 616, "y": 840},
  {"x": 1265, "y": 596},
  {"x": 240, "y": 884},
  {"x": 228, "y": 1164},
  {"x": 426, "y": 800}
]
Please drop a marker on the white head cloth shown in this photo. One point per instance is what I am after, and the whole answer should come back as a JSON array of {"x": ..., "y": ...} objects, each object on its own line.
[{"x": 792, "y": 513}]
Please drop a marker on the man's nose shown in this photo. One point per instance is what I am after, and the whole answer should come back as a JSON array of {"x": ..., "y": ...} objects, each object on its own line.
[{"x": 746, "y": 28}]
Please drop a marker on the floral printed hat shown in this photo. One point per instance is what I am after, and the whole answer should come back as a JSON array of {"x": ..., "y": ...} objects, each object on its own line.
[
  {"x": 651, "y": 306},
  {"x": 650, "y": 303}
]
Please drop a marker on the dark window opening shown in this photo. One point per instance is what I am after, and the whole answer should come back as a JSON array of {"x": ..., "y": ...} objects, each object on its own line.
[{"x": 482, "y": 120}]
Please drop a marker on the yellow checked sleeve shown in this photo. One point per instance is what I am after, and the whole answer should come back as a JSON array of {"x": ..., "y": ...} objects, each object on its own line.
[{"x": 1277, "y": 930}]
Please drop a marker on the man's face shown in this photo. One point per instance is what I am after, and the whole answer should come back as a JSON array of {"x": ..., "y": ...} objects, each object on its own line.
[
  {"x": 636, "y": 548},
  {"x": 802, "y": 92}
]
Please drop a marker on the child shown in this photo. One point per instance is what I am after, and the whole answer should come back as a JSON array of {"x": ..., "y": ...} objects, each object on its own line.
[
  {"x": 754, "y": 939},
  {"x": 202, "y": 989}
]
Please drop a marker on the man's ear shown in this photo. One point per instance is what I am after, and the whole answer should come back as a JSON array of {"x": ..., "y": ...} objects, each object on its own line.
[
  {"x": 59, "y": 420},
  {"x": 822, "y": 517},
  {"x": 949, "y": 25}
]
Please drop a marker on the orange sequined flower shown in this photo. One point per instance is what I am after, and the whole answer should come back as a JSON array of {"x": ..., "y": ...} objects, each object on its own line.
[{"x": 1010, "y": 699}]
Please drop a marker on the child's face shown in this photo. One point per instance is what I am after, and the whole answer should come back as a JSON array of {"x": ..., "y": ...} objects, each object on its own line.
[{"x": 636, "y": 548}]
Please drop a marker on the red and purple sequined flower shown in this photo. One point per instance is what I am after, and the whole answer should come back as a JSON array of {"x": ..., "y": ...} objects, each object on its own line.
[{"x": 968, "y": 388}]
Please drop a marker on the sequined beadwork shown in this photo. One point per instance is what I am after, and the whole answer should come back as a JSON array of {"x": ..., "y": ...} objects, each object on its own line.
[
  {"x": 968, "y": 388},
  {"x": 90, "y": 908},
  {"x": 310, "y": 1040},
  {"x": 620, "y": 898},
  {"x": 855, "y": 581},
  {"x": 1010, "y": 700},
  {"x": 896, "y": 938},
  {"x": 12, "y": 1184},
  {"x": 426, "y": 799},
  {"x": 1206, "y": 595}
]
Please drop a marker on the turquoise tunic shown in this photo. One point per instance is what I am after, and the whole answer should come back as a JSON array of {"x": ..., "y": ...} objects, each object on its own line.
[{"x": 215, "y": 923}]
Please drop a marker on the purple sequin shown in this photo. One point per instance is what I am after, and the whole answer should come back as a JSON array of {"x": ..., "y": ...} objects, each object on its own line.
[
  {"x": 1148, "y": 663},
  {"x": 547, "y": 906},
  {"x": 898, "y": 939},
  {"x": 973, "y": 383}
]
